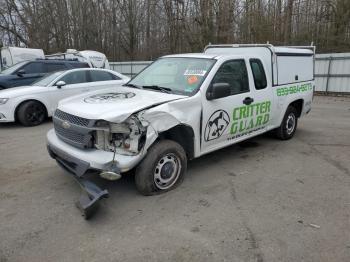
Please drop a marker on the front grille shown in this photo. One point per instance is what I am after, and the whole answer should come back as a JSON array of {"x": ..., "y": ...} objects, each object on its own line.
[
  {"x": 69, "y": 134},
  {"x": 71, "y": 118}
]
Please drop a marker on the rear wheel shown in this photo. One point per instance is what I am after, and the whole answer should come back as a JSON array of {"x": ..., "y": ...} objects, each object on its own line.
[
  {"x": 289, "y": 124},
  {"x": 31, "y": 113},
  {"x": 162, "y": 169}
]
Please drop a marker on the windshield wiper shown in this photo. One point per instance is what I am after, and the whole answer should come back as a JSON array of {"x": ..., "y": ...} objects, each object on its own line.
[
  {"x": 160, "y": 88},
  {"x": 132, "y": 85}
]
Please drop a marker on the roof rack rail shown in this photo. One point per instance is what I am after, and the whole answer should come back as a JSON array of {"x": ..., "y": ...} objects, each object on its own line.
[
  {"x": 63, "y": 59},
  {"x": 268, "y": 45},
  {"x": 238, "y": 45}
]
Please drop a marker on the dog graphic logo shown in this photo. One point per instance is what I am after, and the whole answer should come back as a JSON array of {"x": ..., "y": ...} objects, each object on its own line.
[{"x": 216, "y": 125}]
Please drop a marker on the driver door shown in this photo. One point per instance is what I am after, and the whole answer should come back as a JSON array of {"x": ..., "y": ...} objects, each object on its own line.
[{"x": 230, "y": 118}]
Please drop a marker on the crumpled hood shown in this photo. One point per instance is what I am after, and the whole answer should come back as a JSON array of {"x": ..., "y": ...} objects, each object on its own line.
[
  {"x": 21, "y": 91},
  {"x": 114, "y": 104}
]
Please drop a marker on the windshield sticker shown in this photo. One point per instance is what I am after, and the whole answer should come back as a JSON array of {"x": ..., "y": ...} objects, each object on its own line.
[
  {"x": 216, "y": 125},
  {"x": 195, "y": 72},
  {"x": 108, "y": 97},
  {"x": 192, "y": 80}
]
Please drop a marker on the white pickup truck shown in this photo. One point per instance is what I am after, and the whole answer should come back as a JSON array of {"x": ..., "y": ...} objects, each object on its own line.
[{"x": 179, "y": 108}]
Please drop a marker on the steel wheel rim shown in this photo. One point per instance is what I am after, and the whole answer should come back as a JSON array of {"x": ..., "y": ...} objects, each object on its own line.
[
  {"x": 167, "y": 171},
  {"x": 35, "y": 114},
  {"x": 290, "y": 123}
]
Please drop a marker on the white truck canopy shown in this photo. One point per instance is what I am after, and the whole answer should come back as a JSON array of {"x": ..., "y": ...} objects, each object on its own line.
[
  {"x": 13, "y": 55},
  {"x": 286, "y": 64},
  {"x": 93, "y": 58}
]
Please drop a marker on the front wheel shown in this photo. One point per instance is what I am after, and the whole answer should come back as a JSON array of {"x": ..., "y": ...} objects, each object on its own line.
[
  {"x": 31, "y": 113},
  {"x": 162, "y": 169},
  {"x": 289, "y": 124}
]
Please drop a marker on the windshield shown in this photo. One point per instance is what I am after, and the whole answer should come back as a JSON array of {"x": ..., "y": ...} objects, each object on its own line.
[
  {"x": 47, "y": 79},
  {"x": 175, "y": 75},
  {"x": 13, "y": 68}
]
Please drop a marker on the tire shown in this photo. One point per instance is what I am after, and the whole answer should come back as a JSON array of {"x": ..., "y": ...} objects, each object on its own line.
[
  {"x": 162, "y": 169},
  {"x": 31, "y": 113},
  {"x": 289, "y": 124}
]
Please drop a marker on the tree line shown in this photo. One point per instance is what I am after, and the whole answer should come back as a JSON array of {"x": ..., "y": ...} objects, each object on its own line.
[{"x": 147, "y": 29}]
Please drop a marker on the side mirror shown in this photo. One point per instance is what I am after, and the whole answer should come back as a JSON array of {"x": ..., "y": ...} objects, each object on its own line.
[
  {"x": 218, "y": 90},
  {"x": 59, "y": 84},
  {"x": 21, "y": 72}
]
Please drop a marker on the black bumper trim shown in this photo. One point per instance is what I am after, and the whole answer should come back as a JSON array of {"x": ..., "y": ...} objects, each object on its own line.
[{"x": 88, "y": 201}]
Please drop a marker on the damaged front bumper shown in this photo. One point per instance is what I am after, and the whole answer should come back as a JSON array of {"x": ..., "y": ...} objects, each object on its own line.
[{"x": 78, "y": 162}]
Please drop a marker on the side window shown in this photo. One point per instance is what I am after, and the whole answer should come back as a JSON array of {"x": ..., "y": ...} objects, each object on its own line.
[
  {"x": 102, "y": 76},
  {"x": 50, "y": 67},
  {"x": 33, "y": 68},
  {"x": 258, "y": 74},
  {"x": 235, "y": 74},
  {"x": 74, "y": 77}
]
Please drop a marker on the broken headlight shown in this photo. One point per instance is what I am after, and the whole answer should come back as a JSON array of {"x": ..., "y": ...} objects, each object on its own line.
[{"x": 125, "y": 138}]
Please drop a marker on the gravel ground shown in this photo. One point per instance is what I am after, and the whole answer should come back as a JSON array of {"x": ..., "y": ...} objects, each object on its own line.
[{"x": 261, "y": 200}]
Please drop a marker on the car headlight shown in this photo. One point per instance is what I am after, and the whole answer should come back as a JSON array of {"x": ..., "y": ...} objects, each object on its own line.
[
  {"x": 3, "y": 100},
  {"x": 126, "y": 138}
]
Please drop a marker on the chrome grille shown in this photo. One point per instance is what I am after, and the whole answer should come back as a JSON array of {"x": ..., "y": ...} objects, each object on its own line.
[
  {"x": 71, "y": 118},
  {"x": 71, "y": 135}
]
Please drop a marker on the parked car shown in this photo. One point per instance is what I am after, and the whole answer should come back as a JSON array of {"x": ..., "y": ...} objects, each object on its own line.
[
  {"x": 179, "y": 108},
  {"x": 27, "y": 72},
  {"x": 30, "y": 105}
]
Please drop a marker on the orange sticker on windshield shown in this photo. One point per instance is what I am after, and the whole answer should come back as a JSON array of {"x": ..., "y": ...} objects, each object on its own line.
[{"x": 192, "y": 80}]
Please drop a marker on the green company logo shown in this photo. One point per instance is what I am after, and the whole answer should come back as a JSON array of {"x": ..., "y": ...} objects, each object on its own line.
[
  {"x": 250, "y": 117},
  {"x": 284, "y": 91}
]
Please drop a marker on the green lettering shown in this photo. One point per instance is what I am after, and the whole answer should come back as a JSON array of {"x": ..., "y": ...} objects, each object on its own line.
[
  {"x": 234, "y": 128},
  {"x": 266, "y": 119},
  {"x": 258, "y": 121},
  {"x": 234, "y": 114}
]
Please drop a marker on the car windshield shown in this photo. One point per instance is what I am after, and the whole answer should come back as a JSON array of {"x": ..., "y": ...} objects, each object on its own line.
[
  {"x": 178, "y": 75},
  {"x": 13, "y": 68},
  {"x": 47, "y": 79}
]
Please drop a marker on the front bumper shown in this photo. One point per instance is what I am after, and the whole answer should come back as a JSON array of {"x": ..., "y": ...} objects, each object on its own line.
[
  {"x": 98, "y": 160},
  {"x": 6, "y": 114},
  {"x": 79, "y": 161}
]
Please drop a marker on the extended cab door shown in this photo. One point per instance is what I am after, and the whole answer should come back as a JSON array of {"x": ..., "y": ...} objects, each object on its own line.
[{"x": 237, "y": 112}]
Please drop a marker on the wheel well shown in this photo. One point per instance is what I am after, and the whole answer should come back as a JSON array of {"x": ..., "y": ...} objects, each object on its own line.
[
  {"x": 298, "y": 105},
  {"x": 183, "y": 135},
  {"x": 18, "y": 106}
]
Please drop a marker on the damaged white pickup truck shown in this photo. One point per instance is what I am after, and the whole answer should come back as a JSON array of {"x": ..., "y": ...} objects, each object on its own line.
[{"x": 179, "y": 108}]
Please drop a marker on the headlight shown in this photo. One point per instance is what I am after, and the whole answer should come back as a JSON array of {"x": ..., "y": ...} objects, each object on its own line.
[
  {"x": 3, "y": 100},
  {"x": 126, "y": 138}
]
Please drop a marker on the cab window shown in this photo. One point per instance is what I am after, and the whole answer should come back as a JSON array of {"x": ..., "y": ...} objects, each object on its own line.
[
  {"x": 235, "y": 74},
  {"x": 74, "y": 78},
  {"x": 258, "y": 74}
]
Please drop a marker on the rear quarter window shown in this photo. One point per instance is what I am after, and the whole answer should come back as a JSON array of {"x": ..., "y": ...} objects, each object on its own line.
[
  {"x": 96, "y": 76},
  {"x": 258, "y": 74}
]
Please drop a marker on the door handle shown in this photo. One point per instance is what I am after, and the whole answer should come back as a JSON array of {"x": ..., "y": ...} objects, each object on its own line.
[{"x": 248, "y": 100}]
